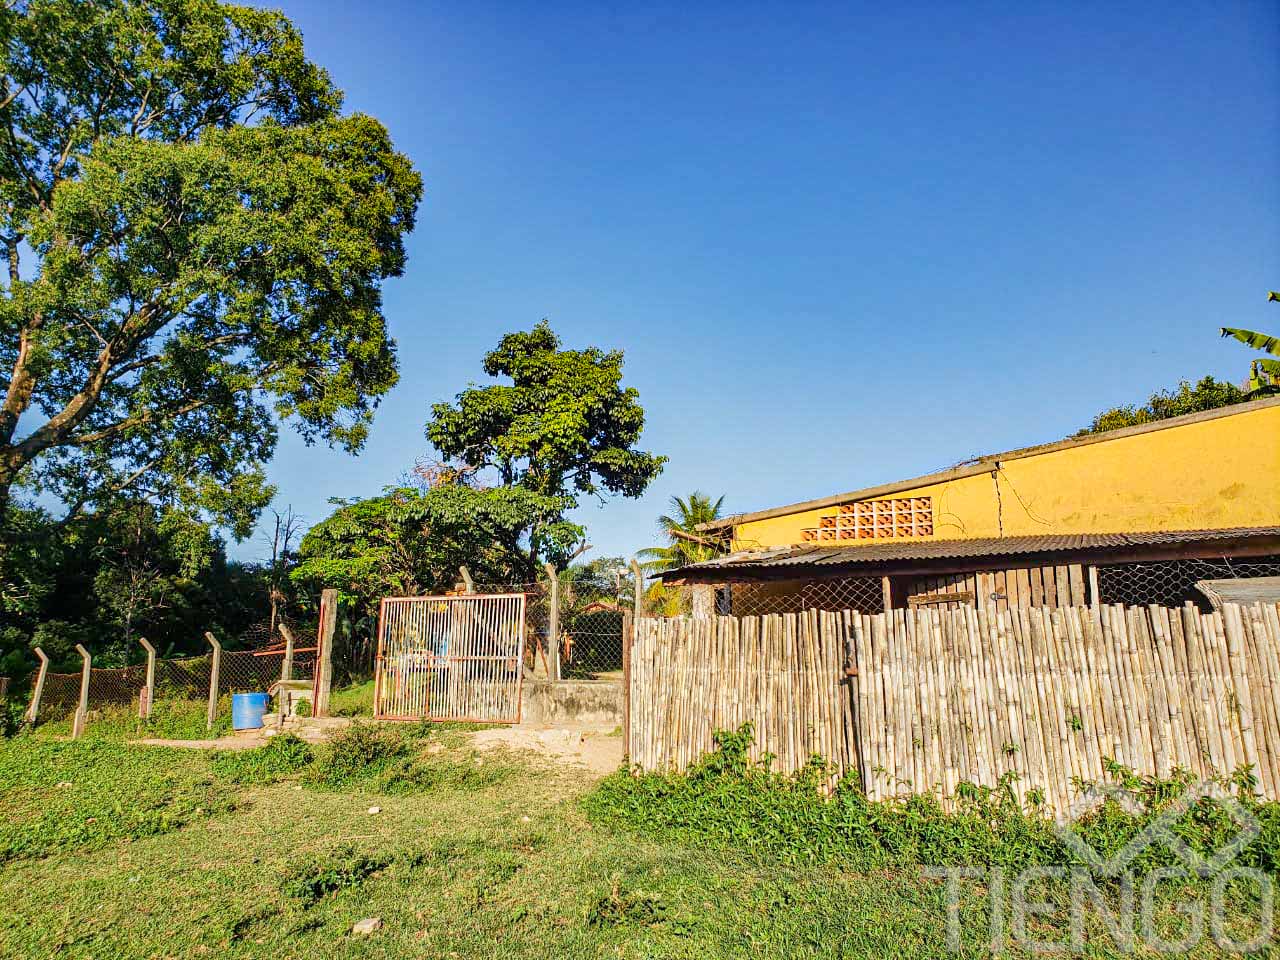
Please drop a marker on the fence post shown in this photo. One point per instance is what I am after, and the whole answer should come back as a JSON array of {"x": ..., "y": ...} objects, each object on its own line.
[
  {"x": 628, "y": 628},
  {"x": 466, "y": 579},
  {"x": 34, "y": 710},
  {"x": 214, "y": 670},
  {"x": 148, "y": 691},
  {"x": 286, "y": 665},
  {"x": 82, "y": 709},
  {"x": 553, "y": 622},
  {"x": 638, "y": 573},
  {"x": 324, "y": 667}
]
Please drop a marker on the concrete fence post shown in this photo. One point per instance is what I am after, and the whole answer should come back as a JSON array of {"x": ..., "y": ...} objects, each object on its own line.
[
  {"x": 148, "y": 697},
  {"x": 286, "y": 665},
  {"x": 328, "y": 628},
  {"x": 638, "y": 572},
  {"x": 33, "y": 710},
  {"x": 466, "y": 579},
  {"x": 215, "y": 669},
  {"x": 553, "y": 621},
  {"x": 82, "y": 709}
]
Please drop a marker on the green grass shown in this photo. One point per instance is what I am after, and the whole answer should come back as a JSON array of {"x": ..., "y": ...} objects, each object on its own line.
[
  {"x": 191, "y": 854},
  {"x": 353, "y": 701},
  {"x": 171, "y": 719}
]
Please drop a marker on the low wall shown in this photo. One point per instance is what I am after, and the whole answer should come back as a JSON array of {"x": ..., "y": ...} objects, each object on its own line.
[{"x": 572, "y": 701}]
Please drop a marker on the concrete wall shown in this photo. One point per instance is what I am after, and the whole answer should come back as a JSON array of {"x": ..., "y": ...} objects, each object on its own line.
[
  {"x": 572, "y": 701},
  {"x": 1209, "y": 471}
]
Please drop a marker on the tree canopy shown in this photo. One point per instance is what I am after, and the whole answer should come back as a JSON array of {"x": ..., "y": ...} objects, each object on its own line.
[
  {"x": 196, "y": 238},
  {"x": 563, "y": 427},
  {"x": 1264, "y": 373},
  {"x": 1206, "y": 394}
]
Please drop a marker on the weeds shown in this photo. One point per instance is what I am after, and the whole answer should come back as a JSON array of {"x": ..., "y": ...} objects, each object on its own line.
[
  {"x": 283, "y": 755},
  {"x": 314, "y": 879},
  {"x": 726, "y": 801}
]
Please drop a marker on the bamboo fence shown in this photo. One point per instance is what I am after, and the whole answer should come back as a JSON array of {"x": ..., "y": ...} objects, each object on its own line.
[{"x": 926, "y": 699}]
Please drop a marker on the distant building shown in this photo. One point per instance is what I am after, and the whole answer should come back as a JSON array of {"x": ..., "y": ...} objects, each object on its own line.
[{"x": 1135, "y": 515}]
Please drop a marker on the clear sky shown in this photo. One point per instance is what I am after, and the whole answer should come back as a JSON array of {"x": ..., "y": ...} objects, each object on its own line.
[{"x": 840, "y": 244}]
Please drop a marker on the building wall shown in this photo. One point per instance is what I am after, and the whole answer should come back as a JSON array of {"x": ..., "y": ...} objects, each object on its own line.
[{"x": 1214, "y": 473}]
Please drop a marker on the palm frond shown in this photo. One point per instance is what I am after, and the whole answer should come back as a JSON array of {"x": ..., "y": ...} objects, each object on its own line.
[{"x": 1251, "y": 338}]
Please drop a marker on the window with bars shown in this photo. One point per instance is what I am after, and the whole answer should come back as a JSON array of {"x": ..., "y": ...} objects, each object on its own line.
[{"x": 875, "y": 520}]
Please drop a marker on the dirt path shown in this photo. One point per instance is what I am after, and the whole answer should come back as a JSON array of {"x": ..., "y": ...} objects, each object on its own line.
[{"x": 597, "y": 748}]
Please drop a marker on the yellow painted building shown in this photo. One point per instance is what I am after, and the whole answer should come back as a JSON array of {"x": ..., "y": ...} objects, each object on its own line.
[{"x": 1203, "y": 487}]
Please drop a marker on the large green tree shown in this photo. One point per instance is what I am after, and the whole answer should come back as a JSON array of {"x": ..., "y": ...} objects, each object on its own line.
[
  {"x": 564, "y": 426},
  {"x": 196, "y": 238}
]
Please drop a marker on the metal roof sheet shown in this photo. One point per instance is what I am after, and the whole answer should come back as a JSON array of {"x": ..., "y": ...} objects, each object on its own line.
[{"x": 819, "y": 556}]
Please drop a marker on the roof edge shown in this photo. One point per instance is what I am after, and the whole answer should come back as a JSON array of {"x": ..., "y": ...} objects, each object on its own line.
[{"x": 983, "y": 464}]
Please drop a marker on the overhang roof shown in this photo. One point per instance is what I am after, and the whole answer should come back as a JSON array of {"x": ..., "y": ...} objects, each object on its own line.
[
  {"x": 985, "y": 464},
  {"x": 1252, "y": 590},
  {"x": 828, "y": 559}
]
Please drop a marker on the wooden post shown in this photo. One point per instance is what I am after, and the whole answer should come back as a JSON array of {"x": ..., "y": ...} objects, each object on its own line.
[
  {"x": 638, "y": 573},
  {"x": 1094, "y": 598},
  {"x": 628, "y": 627},
  {"x": 286, "y": 665},
  {"x": 324, "y": 666},
  {"x": 82, "y": 710},
  {"x": 553, "y": 622},
  {"x": 214, "y": 670},
  {"x": 702, "y": 598},
  {"x": 149, "y": 689},
  {"x": 33, "y": 711},
  {"x": 466, "y": 578},
  {"x": 886, "y": 594}
]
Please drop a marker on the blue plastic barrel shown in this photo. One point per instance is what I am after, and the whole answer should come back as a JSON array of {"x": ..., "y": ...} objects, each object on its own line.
[{"x": 247, "y": 710}]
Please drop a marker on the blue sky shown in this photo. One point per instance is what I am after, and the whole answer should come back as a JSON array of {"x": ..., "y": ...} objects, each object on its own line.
[{"x": 839, "y": 244}]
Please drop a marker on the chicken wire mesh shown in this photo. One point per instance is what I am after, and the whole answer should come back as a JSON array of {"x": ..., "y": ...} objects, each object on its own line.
[
  {"x": 1171, "y": 583},
  {"x": 750, "y": 599}
]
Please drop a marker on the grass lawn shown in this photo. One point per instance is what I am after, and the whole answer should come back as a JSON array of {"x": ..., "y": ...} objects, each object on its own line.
[{"x": 112, "y": 850}]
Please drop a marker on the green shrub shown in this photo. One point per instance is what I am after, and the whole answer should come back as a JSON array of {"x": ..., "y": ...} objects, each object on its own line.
[
  {"x": 315, "y": 878},
  {"x": 726, "y": 801},
  {"x": 357, "y": 756},
  {"x": 283, "y": 755}
]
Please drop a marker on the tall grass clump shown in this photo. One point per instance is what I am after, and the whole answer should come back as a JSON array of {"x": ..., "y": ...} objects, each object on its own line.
[
  {"x": 727, "y": 801},
  {"x": 284, "y": 755}
]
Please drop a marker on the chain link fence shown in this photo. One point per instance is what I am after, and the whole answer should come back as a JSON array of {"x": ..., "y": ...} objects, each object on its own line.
[
  {"x": 187, "y": 678},
  {"x": 1171, "y": 583},
  {"x": 751, "y": 599}
]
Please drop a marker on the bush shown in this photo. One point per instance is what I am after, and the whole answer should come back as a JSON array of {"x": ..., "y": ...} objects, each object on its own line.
[
  {"x": 284, "y": 755},
  {"x": 357, "y": 756},
  {"x": 726, "y": 801}
]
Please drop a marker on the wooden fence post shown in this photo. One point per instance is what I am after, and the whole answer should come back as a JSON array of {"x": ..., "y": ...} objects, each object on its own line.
[
  {"x": 628, "y": 634},
  {"x": 553, "y": 622},
  {"x": 33, "y": 710},
  {"x": 324, "y": 666},
  {"x": 214, "y": 670},
  {"x": 638, "y": 573},
  {"x": 286, "y": 665},
  {"x": 466, "y": 579},
  {"x": 149, "y": 689},
  {"x": 82, "y": 709}
]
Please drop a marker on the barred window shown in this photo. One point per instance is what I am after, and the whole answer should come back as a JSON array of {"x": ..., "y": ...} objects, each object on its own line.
[{"x": 875, "y": 520}]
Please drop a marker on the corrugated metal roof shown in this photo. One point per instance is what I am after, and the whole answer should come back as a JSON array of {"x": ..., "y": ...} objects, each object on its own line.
[{"x": 818, "y": 556}]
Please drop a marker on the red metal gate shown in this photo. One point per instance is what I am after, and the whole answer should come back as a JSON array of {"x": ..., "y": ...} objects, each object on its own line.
[{"x": 450, "y": 658}]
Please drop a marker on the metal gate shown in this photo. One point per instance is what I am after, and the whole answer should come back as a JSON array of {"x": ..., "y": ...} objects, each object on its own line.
[{"x": 450, "y": 658}]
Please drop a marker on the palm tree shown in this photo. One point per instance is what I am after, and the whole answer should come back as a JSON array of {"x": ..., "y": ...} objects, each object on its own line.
[
  {"x": 685, "y": 544},
  {"x": 1264, "y": 374}
]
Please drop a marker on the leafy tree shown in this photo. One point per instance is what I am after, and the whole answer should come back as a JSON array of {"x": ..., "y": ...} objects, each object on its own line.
[
  {"x": 1207, "y": 394},
  {"x": 196, "y": 239},
  {"x": 1264, "y": 373},
  {"x": 562, "y": 428},
  {"x": 413, "y": 541},
  {"x": 685, "y": 543}
]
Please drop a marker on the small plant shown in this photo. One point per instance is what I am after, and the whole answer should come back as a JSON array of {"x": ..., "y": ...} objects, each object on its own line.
[
  {"x": 1075, "y": 723},
  {"x": 283, "y": 755},
  {"x": 312, "y": 880}
]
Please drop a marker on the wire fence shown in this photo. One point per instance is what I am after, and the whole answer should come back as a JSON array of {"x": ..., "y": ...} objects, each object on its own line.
[
  {"x": 1171, "y": 583},
  {"x": 240, "y": 671}
]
